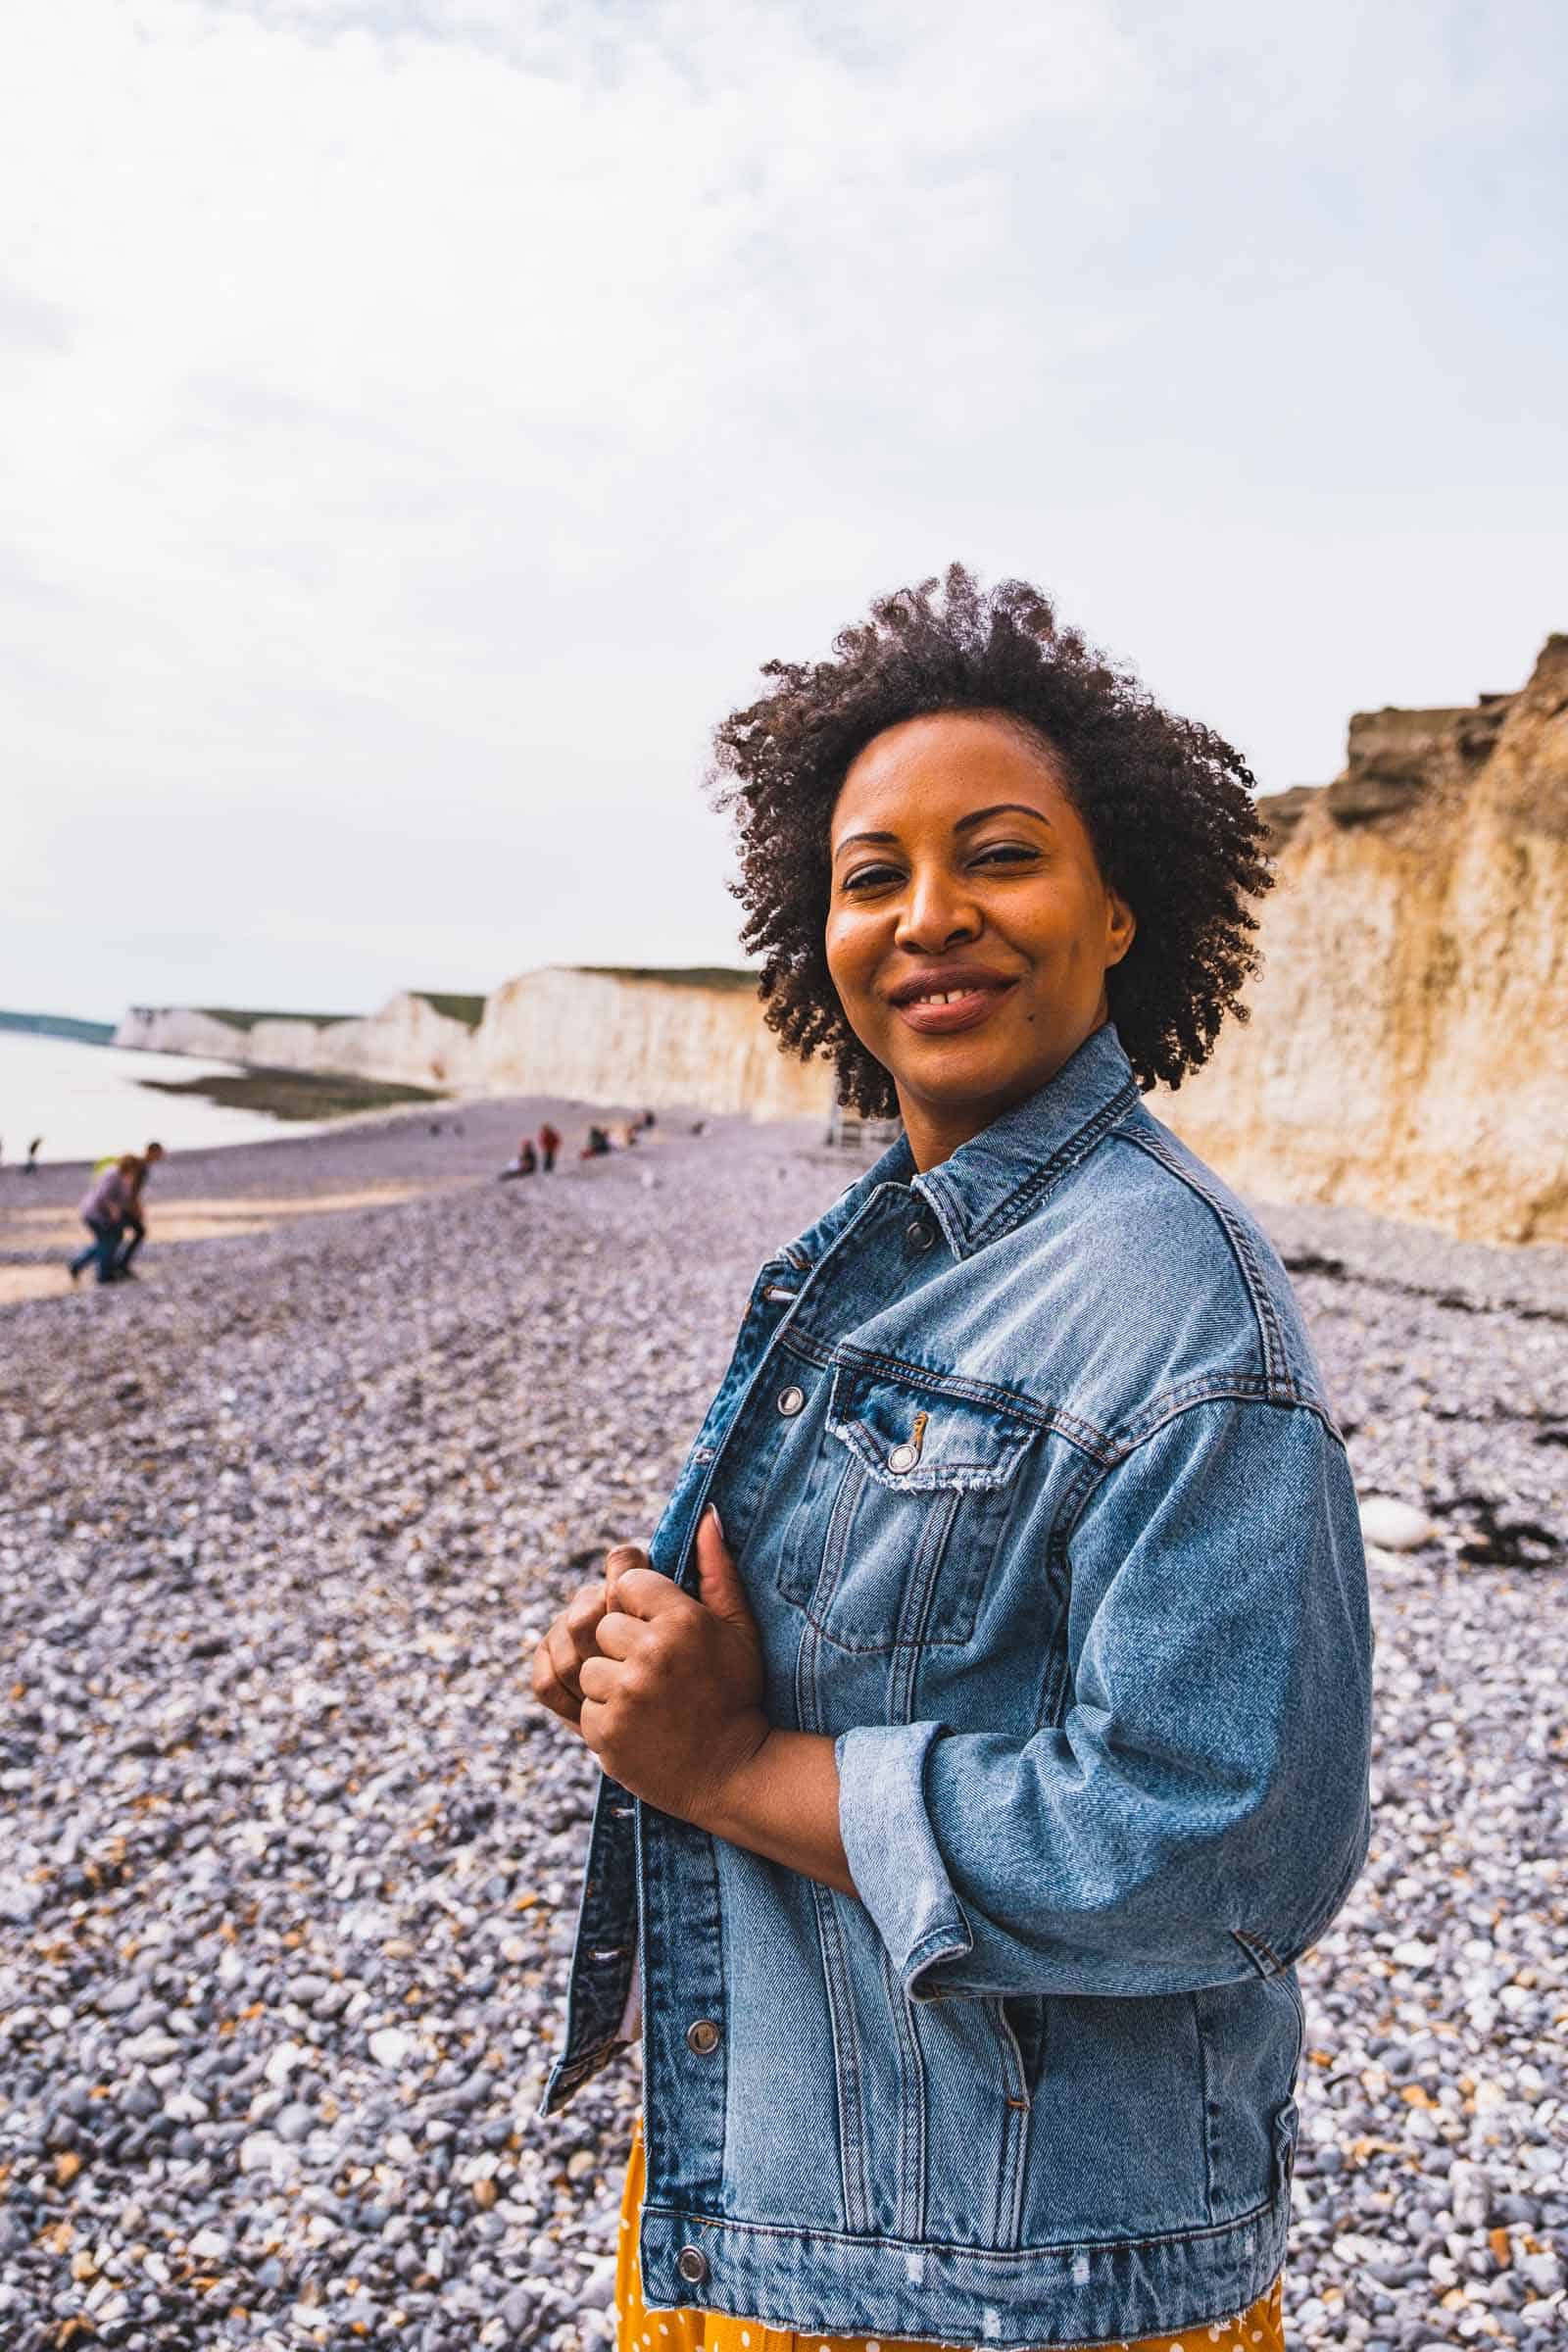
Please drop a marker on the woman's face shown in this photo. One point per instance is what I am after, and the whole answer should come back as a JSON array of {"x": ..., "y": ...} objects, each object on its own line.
[{"x": 969, "y": 930}]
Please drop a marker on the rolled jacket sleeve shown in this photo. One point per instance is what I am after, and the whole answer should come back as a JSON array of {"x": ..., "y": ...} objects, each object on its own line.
[{"x": 1201, "y": 1811}]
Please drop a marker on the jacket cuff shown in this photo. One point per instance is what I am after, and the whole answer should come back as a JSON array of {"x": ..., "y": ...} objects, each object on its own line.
[{"x": 894, "y": 1859}]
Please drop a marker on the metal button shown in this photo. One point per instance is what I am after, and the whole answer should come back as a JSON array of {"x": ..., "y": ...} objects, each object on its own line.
[
  {"x": 790, "y": 1402},
  {"x": 902, "y": 1457},
  {"x": 691, "y": 2264},
  {"x": 702, "y": 2036},
  {"x": 919, "y": 1235}
]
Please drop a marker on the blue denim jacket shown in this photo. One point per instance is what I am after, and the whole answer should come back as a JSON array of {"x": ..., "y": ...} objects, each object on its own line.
[{"x": 1029, "y": 1475}]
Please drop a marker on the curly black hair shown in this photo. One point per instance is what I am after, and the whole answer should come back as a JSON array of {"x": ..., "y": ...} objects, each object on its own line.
[{"x": 1166, "y": 803}]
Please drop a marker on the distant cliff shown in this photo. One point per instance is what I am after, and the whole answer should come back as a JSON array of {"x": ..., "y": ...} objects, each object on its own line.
[
  {"x": 408, "y": 1040},
  {"x": 636, "y": 1037},
  {"x": 655, "y": 1038},
  {"x": 1408, "y": 1045}
]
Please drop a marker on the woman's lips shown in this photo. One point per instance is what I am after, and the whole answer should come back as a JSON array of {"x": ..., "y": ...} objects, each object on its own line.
[{"x": 963, "y": 1008}]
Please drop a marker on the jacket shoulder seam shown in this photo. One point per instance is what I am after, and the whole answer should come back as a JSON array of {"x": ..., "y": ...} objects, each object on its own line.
[
  {"x": 1125, "y": 1442},
  {"x": 1213, "y": 1387},
  {"x": 1281, "y": 1382}
]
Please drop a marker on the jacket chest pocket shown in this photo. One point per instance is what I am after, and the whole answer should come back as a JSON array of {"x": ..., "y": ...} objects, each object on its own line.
[{"x": 892, "y": 1542}]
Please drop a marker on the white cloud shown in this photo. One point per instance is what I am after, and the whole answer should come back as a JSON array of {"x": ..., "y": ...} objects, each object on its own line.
[{"x": 427, "y": 415}]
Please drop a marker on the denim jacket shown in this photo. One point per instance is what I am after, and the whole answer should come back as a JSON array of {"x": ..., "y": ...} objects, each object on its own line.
[{"x": 1028, "y": 1472}]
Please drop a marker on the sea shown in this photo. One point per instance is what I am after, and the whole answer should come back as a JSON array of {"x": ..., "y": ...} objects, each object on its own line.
[{"x": 90, "y": 1101}]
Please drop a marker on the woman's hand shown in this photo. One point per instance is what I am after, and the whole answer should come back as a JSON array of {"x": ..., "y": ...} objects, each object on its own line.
[
  {"x": 672, "y": 1698},
  {"x": 668, "y": 1691},
  {"x": 568, "y": 1641}
]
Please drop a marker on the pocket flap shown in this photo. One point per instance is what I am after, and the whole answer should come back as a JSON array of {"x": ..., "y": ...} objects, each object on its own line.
[{"x": 921, "y": 1438}]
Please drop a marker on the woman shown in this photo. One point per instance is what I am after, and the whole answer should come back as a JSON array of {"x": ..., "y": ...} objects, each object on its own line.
[{"x": 987, "y": 1736}]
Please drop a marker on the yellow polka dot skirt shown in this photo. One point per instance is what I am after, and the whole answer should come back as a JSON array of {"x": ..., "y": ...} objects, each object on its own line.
[{"x": 1260, "y": 2329}]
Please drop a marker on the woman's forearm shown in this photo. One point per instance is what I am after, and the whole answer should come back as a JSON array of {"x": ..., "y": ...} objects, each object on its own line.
[{"x": 783, "y": 1803}]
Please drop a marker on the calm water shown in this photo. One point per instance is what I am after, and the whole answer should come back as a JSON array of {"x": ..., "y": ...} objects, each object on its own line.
[{"x": 88, "y": 1101}]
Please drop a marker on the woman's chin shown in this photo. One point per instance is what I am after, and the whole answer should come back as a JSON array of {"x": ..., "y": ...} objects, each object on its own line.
[{"x": 944, "y": 1079}]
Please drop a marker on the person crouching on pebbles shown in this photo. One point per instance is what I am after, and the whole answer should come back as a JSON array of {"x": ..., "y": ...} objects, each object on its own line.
[
  {"x": 135, "y": 1228},
  {"x": 985, "y": 1730},
  {"x": 104, "y": 1212}
]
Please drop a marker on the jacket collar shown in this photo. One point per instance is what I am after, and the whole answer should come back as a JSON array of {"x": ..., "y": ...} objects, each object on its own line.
[{"x": 1002, "y": 1175}]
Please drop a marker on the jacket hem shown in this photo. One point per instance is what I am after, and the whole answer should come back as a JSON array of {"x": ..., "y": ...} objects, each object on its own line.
[{"x": 1101, "y": 2292}]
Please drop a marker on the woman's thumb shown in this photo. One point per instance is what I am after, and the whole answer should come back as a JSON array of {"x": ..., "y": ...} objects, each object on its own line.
[{"x": 719, "y": 1587}]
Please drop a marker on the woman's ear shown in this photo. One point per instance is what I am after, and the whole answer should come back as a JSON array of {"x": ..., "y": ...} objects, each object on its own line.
[{"x": 1121, "y": 927}]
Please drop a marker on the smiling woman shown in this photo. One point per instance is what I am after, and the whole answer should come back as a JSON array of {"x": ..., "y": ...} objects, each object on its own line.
[
  {"x": 986, "y": 1726},
  {"x": 1162, "y": 804},
  {"x": 969, "y": 937}
]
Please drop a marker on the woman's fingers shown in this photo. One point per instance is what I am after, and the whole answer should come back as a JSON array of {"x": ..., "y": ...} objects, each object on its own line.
[
  {"x": 577, "y": 1635},
  {"x": 579, "y": 1619},
  {"x": 617, "y": 1633},
  {"x": 618, "y": 1563},
  {"x": 558, "y": 1661},
  {"x": 548, "y": 1688},
  {"x": 599, "y": 1675}
]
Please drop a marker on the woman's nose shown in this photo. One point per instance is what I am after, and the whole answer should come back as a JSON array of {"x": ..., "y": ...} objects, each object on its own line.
[{"x": 937, "y": 913}]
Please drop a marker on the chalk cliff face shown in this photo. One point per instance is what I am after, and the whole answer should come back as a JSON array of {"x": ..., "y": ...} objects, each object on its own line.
[
  {"x": 608, "y": 1037},
  {"x": 408, "y": 1042},
  {"x": 1408, "y": 1045},
  {"x": 598, "y": 1037}
]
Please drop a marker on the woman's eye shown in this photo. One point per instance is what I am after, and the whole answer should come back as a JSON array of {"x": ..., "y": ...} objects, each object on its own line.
[
  {"x": 870, "y": 877},
  {"x": 1007, "y": 852}
]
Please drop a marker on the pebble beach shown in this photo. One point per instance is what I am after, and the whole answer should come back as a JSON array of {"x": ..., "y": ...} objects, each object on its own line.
[{"x": 290, "y": 1857}]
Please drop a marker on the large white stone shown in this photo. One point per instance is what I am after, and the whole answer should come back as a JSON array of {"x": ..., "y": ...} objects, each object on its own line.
[{"x": 1394, "y": 1526}]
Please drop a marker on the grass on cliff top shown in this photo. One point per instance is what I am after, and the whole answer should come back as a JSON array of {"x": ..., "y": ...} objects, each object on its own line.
[
  {"x": 238, "y": 1019},
  {"x": 295, "y": 1094},
  {"x": 701, "y": 976},
  {"x": 469, "y": 1011}
]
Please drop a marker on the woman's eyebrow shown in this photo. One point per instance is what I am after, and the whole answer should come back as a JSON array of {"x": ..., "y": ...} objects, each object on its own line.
[
  {"x": 853, "y": 837},
  {"x": 977, "y": 816}
]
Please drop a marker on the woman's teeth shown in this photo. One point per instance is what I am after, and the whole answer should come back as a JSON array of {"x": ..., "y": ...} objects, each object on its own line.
[{"x": 952, "y": 995}]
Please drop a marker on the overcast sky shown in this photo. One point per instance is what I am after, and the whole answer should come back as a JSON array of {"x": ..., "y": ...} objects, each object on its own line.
[{"x": 418, "y": 420}]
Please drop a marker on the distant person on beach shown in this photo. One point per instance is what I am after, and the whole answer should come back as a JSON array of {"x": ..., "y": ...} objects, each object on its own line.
[
  {"x": 597, "y": 1146},
  {"x": 103, "y": 1211},
  {"x": 135, "y": 1221},
  {"x": 985, "y": 1729},
  {"x": 30, "y": 1166},
  {"x": 526, "y": 1163},
  {"x": 549, "y": 1145}
]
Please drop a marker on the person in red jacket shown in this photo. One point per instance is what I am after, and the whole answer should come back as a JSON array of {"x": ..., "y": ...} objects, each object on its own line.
[{"x": 549, "y": 1145}]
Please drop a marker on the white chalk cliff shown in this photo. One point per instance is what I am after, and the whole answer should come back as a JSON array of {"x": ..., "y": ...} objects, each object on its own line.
[
  {"x": 1408, "y": 1045},
  {"x": 593, "y": 1036},
  {"x": 408, "y": 1042}
]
